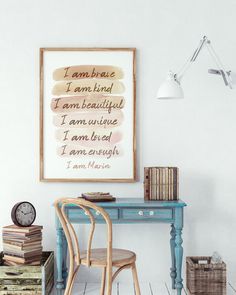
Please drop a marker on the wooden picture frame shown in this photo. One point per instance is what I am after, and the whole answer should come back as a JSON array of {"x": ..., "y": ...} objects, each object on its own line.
[{"x": 87, "y": 114}]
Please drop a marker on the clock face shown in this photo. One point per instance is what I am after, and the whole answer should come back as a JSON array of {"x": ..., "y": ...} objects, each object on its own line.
[{"x": 24, "y": 214}]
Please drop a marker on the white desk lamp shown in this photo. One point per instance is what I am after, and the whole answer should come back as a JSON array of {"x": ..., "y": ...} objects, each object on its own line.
[{"x": 171, "y": 87}]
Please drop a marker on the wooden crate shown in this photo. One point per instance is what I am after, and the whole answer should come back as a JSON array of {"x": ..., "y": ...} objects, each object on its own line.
[
  {"x": 205, "y": 279},
  {"x": 28, "y": 280}
]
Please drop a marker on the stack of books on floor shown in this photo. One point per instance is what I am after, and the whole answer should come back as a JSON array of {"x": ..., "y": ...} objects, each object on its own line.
[
  {"x": 22, "y": 245},
  {"x": 98, "y": 197},
  {"x": 161, "y": 183}
]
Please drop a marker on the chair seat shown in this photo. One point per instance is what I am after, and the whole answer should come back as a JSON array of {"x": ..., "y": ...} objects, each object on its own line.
[{"x": 98, "y": 257}]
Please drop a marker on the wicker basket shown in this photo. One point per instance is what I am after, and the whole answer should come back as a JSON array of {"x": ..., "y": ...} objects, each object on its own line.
[{"x": 205, "y": 278}]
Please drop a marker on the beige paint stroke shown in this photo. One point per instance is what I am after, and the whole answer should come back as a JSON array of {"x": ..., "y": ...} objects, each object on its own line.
[
  {"x": 92, "y": 86},
  {"x": 87, "y": 103},
  {"x": 89, "y": 120},
  {"x": 88, "y": 71},
  {"x": 88, "y": 137},
  {"x": 85, "y": 152}
]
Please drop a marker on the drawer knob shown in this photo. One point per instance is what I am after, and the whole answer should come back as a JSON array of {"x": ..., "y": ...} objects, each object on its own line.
[
  {"x": 97, "y": 213},
  {"x": 140, "y": 213},
  {"x": 151, "y": 213}
]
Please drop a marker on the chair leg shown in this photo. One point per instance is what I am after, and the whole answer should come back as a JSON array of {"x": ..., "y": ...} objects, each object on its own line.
[
  {"x": 73, "y": 280},
  {"x": 135, "y": 278},
  {"x": 103, "y": 282},
  {"x": 69, "y": 285},
  {"x": 109, "y": 281},
  {"x": 69, "y": 282}
]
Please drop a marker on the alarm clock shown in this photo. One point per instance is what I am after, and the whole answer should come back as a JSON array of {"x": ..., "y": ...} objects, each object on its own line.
[{"x": 23, "y": 214}]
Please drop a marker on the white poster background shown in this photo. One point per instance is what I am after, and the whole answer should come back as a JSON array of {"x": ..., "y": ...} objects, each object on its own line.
[{"x": 55, "y": 167}]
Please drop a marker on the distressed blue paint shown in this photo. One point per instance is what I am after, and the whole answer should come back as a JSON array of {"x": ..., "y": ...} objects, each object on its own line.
[
  {"x": 136, "y": 202},
  {"x": 146, "y": 213},
  {"x": 64, "y": 266},
  {"x": 172, "y": 249},
  {"x": 178, "y": 248},
  {"x": 130, "y": 211},
  {"x": 77, "y": 214},
  {"x": 60, "y": 283}
]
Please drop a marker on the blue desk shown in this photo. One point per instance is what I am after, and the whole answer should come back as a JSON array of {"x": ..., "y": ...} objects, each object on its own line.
[{"x": 128, "y": 211}]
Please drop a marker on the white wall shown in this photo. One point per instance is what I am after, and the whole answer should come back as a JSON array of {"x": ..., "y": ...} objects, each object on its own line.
[{"x": 196, "y": 134}]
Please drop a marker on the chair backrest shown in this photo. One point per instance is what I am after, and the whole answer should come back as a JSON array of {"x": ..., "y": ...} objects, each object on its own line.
[{"x": 71, "y": 237}]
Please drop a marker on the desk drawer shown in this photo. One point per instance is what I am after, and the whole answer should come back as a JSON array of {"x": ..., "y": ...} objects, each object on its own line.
[
  {"x": 75, "y": 214},
  {"x": 144, "y": 213}
]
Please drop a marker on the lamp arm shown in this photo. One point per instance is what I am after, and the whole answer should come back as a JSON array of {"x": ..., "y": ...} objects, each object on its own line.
[
  {"x": 225, "y": 74},
  {"x": 205, "y": 42},
  {"x": 179, "y": 75},
  {"x": 197, "y": 51}
]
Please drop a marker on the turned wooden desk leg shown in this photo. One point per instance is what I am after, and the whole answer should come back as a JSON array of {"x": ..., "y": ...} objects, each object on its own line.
[
  {"x": 60, "y": 281},
  {"x": 178, "y": 249},
  {"x": 172, "y": 249},
  {"x": 64, "y": 256}
]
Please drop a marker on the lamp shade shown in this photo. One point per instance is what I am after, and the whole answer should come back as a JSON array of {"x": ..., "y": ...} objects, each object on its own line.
[{"x": 170, "y": 88}]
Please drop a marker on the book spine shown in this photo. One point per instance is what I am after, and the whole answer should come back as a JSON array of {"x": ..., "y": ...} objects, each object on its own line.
[
  {"x": 150, "y": 183},
  {"x": 170, "y": 184},
  {"x": 157, "y": 183},
  {"x": 175, "y": 183},
  {"x": 169, "y": 181},
  {"x": 154, "y": 184},
  {"x": 166, "y": 184},
  {"x": 146, "y": 184},
  {"x": 161, "y": 183}
]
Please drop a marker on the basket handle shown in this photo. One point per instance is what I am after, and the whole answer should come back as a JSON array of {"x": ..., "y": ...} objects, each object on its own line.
[{"x": 8, "y": 273}]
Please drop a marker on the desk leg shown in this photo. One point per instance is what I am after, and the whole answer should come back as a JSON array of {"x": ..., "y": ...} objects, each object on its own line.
[
  {"x": 172, "y": 249},
  {"x": 64, "y": 256},
  {"x": 60, "y": 284},
  {"x": 178, "y": 249}
]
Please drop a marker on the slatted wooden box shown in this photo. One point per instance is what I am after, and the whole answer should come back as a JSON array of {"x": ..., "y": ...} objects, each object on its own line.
[
  {"x": 27, "y": 280},
  {"x": 205, "y": 279}
]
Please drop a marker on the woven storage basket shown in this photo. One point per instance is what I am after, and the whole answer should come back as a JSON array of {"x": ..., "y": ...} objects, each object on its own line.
[{"x": 205, "y": 278}]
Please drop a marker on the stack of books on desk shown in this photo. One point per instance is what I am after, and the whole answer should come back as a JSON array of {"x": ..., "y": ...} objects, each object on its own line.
[
  {"x": 161, "y": 183},
  {"x": 98, "y": 197},
  {"x": 22, "y": 245}
]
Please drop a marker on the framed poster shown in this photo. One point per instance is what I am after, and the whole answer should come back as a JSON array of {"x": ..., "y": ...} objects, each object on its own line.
[{"x": 87, "y": 114}]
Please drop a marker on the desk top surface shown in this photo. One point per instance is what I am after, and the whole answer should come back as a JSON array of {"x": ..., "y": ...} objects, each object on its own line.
[{"x": 138, "y": 202}]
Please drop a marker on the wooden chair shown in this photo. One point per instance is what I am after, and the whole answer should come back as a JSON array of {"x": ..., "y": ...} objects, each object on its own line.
[{"x": 105, "y": 258}]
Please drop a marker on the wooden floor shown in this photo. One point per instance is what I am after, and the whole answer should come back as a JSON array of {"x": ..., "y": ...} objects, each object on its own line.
[{"x": 128, "y": 289}]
